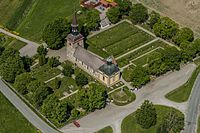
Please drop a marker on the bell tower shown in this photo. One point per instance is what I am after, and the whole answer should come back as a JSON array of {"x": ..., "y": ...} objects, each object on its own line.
[{"x": 74, "y": 39}]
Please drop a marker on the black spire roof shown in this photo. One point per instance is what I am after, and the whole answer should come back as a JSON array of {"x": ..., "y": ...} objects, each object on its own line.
[{"x": 74, "y": 21}]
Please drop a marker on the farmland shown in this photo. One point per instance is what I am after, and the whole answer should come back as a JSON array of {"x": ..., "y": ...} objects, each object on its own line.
[{"x": 125, "y": 37}]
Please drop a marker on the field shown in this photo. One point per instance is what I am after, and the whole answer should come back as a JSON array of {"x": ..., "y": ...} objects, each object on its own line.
[
  {"x": 43, "y": 12},
  {"x": 143, "y": 55},
  {"x": 185, "y": 12},
  {"x": 12, "y": 121},
  {"x": 105, "y": 130},
  {"x": 125, "y": 37},
  {"x": 129, "y": 123}
]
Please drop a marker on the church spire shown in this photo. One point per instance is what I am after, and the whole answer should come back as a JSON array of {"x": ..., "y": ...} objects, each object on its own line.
[{"x": 74, "y": 25}]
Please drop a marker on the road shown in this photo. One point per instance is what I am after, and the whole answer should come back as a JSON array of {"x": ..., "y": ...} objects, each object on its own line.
[
  {"x": 193, "y": 108},
  {"x": 25, "y": 110},
  {"x": 29, "y": 50},
  {"x": 155, "y": 91}
]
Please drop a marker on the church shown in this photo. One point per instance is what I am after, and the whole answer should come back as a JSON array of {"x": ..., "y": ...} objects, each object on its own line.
[{"x": 104, "y": 70}]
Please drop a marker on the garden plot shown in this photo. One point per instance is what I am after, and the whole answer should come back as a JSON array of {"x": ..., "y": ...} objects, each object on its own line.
[
  {"x": 118, "y": 40},
  {"x": 126, "y": 60}
]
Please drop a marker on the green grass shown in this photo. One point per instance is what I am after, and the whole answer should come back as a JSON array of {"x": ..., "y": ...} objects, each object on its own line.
[
  {"x": 197, "y": 61},
  {"x": 16, "y": 44},
  {"x": 148, "y": 58},
  {"x": 105, "y": 130},
  {"x": 66, "y": 83},
  {"x": 43, "y": 12},
  {"x": 182, "y": 93},
  {"x": 129, "y": 124},
  {"x": 7, "y": 9},
  {"x": 118, "y": 40},
  {"x": 125, "y": 60},
  {"x": 12, "y": 121},
  {"x": 45, "y": 72},
  {"x": 198, "y": 128},
  {"x": 122, "y": 98}
]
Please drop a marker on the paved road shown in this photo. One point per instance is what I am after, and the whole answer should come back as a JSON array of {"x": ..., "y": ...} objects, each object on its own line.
[
  {"x": 193, "y": 108},
  {"x": 25, "y": 110},
  {"x": 29, "y": 50},
  {"x": 154, "y": 91}
]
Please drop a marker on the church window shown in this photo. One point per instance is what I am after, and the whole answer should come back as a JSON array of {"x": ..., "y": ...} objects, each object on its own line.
[{"x": 103, "y": 78}]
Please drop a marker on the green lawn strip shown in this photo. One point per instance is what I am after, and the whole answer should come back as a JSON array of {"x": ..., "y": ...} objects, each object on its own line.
[
  {"x": 68, "y": 85},
  {"x": 198, "y": 128},
  {"x": 45, "y": 72},
  {"x": 105, "y": 130},
  {"x": 12, "y": 121},
  {"x": 129, "y": 124},
  {"x": 113, "y": 35},
  {"x": 128, "y": 44},
  {"x": 197, "y": 61},
  {"x": 16, "y": 44},
  {"x": 122, "y": 98},
  {"x": 182, "y": 93},
  {"x": 148, "y": 57},
  {"x": 98, "y": 51},
  {"x": 125, "y": 60},
  {"x": 43, "y": 12}
]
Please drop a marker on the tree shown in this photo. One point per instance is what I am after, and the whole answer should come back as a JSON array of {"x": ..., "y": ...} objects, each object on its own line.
[
  {"x": 74, "y": 113},
  {"x": 41, "y": 50},
  {"x": 2, "y": 38},
  {"x": 40, "y": 95},
  {"x": 92, "y": 19},
  {"x": 48, "y": 107},
  {"x": 81, "y": 79},
  {"x": 172, "y": 123},
  {"x": 68, "y": 70},
  {"x": 55, "y": 32},
  {"x": 91, "y": 98},
  {"x": 146, "y": 115},
  {"x": 124, "y": 6},
  {"x": 184, "y": 34},
  {"x": 12, "y": 67},
  {"x": 138, "y": 13},
  {"x": 22, "y": 81},
  {"x": 188, "y": 51},
  {"x": 114, "y": 15},
  {"x": 139, "y": 76},
  {"x": 27, "y": 62},
  {"x": 166, "y": 29},
  {"x": 34, "y": 85},
  {"x": 8, "y": 52},
  {"x": 154, "y": 18},
  {"x": 42, "y": 60},
  {"x": 1, "y": 50},
  {"x": 53, "y": 62}
]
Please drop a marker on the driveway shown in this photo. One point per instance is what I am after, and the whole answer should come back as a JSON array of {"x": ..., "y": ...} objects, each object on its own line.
[{"x": 154, "y": 91}]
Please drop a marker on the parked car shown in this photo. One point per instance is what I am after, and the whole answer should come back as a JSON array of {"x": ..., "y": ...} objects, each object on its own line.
[{"x": 76, "y": 123}]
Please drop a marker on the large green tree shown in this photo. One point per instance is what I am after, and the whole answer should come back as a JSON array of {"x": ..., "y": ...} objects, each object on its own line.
[
  {"x": 146, "y": 115},
  {"x": 184, "y": 34},
  {"x": 91, "y": 98},
  {"x": 92, "y": 19},
  {"x": 114, "y": 15},
  {"x": 68, "y": 70},
  {"x": 166, "y": 28},
  {"x": 172, "y": 123},
  {"x": 124, "y": 6},
  {"x": 138, "y": 13},
  {"x": 22, "y": 81},
  {"x": 81, "y": 79},
  {"x": 154, "y": 18},
  {"x": 55, "y": 33}
]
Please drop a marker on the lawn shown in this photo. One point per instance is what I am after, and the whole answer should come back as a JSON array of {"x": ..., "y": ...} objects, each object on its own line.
[
  {"x": 105, "y": 130},
  {"x": 198, "y": 128},
  {"x": 12, "y": 121},
  {"x": 148, "y": 58},
  {"x": 67, "y": 85},
  {"x": 45, "y": 72},
  {"x": 125, "y": 37},
  {"x": 124, "y": 97},
  {"x": 43, "y": 12},
  {"x": 129, "y": 124},
  {"x": 182, "y": 93},
  {"x": 126, "y": 59}
]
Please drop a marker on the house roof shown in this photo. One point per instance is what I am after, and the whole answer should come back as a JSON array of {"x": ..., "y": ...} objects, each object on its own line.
[
  {"x": 88, "y": 58},
  {"x": 109, "y": 68},
  {"x": 74, "y": 38}
]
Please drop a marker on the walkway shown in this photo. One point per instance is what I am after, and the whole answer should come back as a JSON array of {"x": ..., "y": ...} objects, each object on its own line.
[
  {"x": 25, "y": 110},
  {"x": 154, "y": 91},
  {"x": 29, "y": 50}
]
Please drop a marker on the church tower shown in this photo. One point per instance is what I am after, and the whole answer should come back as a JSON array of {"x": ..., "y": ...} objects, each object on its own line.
[{"x": 74, "y": 39}]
